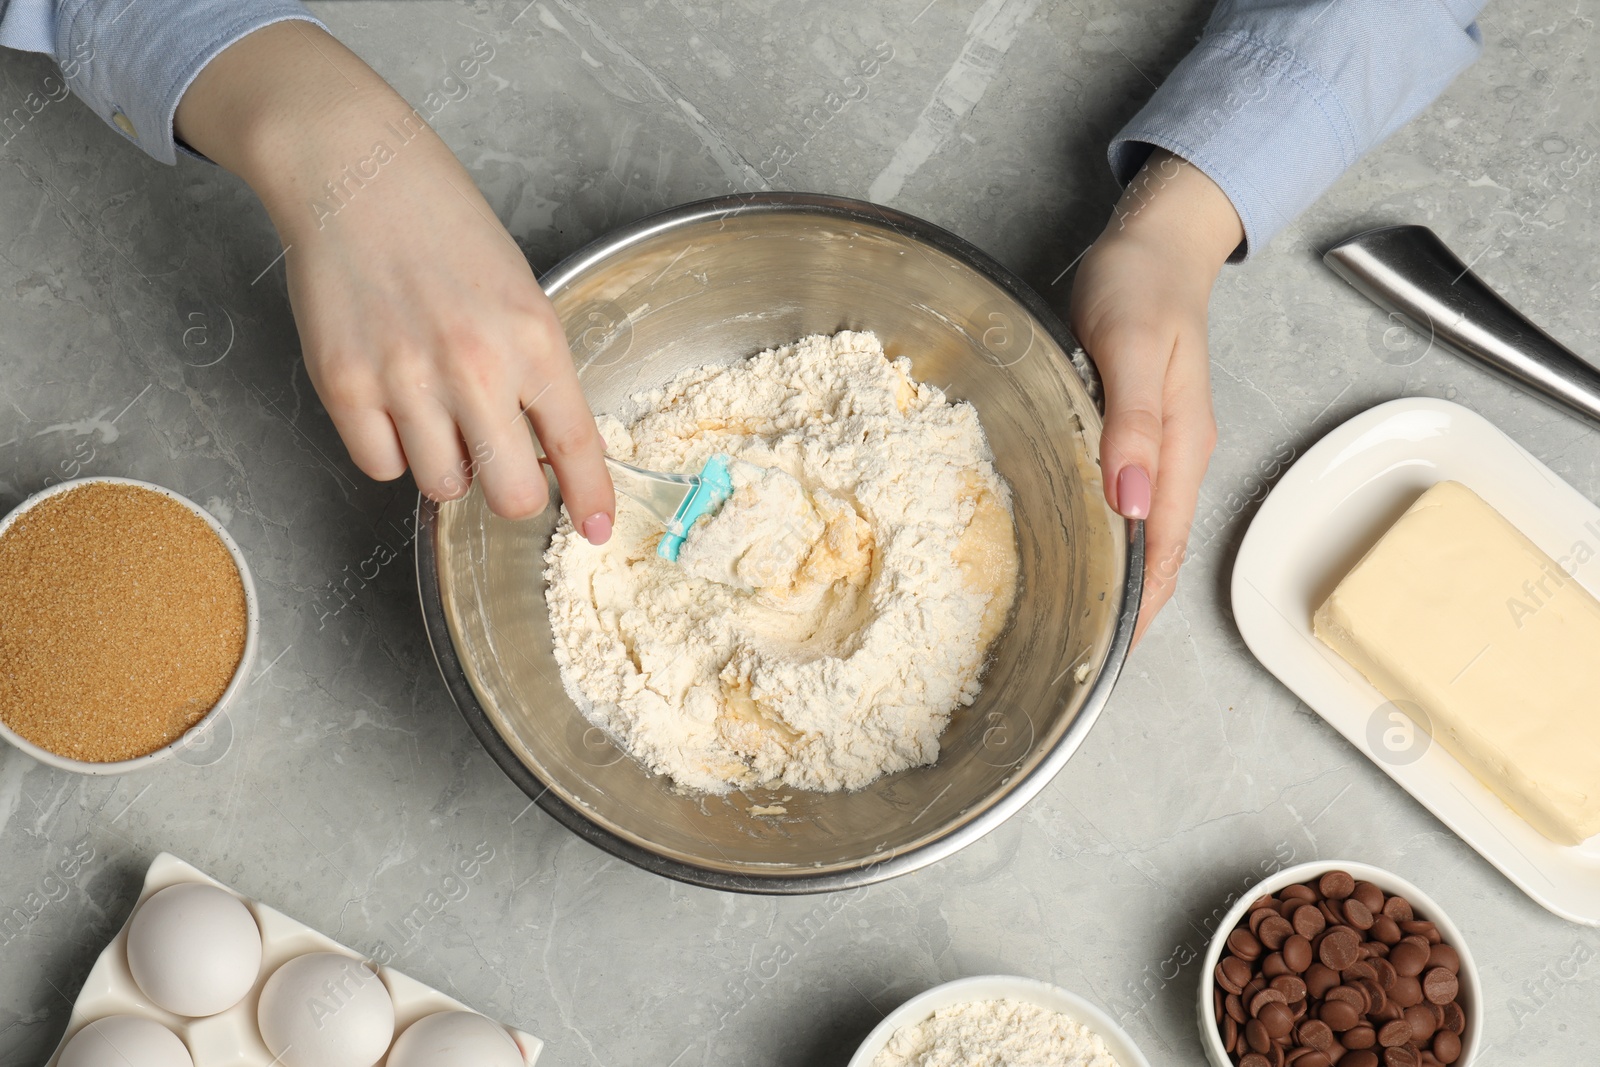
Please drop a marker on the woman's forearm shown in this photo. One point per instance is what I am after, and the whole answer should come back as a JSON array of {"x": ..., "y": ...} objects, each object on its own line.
[{"x": 292, "y": 111}]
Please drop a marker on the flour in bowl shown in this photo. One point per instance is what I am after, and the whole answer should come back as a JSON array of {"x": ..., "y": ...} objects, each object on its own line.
[
  {"x": 995, "y": 1033},
  {"x": 820, "y": 628}
]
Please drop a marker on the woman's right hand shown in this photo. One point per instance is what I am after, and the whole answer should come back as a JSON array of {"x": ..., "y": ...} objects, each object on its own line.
[
  {"x": 423, "y": 328},
  {"x": 1139, "y": 305}
]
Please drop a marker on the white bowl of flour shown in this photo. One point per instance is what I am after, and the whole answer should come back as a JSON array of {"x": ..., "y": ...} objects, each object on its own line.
[{"x": 998, "y": 1018}]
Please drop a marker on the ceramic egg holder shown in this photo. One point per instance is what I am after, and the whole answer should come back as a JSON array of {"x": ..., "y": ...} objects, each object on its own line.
[{"x": 231, "y": 1038}]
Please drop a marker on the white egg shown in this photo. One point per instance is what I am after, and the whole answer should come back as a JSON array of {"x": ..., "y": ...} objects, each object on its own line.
[
  {"x": 194, "y": 949},
  {"x": 326, "y": 1009},
  {"x": 454, "y": 1039},
  {"x": 125, "y": 1041}
]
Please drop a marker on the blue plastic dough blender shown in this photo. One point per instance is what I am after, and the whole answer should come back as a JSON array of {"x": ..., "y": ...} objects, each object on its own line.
[{"x": 678, "y": 500}]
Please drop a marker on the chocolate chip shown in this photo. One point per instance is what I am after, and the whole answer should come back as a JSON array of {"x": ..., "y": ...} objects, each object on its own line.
[
  {"x": 1277, "y": 1019},
  {"x": 1362, "y": 1058},
  {"x": 1398, "y": 909},
  {"x": 1298, "y": 892},
  {"x": 1401, "y": 1056},
  {"x": 1340, "y": 1015},
  {"x": 1336, "y": 885},
  {"x": 1455, "y": 1020},
  {"x": 1440, "y": 986},
  {"x": 1385, "y": 930},
  {"x": 1368, "y": 1000},
  {"x": 1362, "y": 1036},
  {"x": 1308, "y": 921},
  {"x": 1272, "y": 965},
  {"x": 1370, "y": 895},
  {"x": 1297, "y": 954},
  {"x": 1358, "y": 969},
  {"x": 1216, "y": 1001},
  {"x": 1340, "y": 948},
  {"x": 1232, "y": 974},
  {"x": 1350, "y": 995},
  {"x": 1405, "y": 992},
  {"x": 1234, "y": 1008},
  {"x": 1408, "y": 960},
  {"x": 1422, "y": 1024},
  {"x": 1291, "y": 986},
  {"x": 1255, "y": 1059},
  {"x": 1255, "y": 1032},
  {"x": 1243, "y": 944},
  {"x": 1275, "y": 931},
  {"x": 1446, "y": 1046},
  {"x": 1422, "y": 928},
  {"x": 1394, "y": 1034},
  {"x": 1265, "y": 997},
  {"x": 1357, "y": 914},
  {"x": 1230, "y": 1033},
  {"x": 1376, "y": 998},
  {"x": 1443, "y": 955},
  {"x": 1314, "y": 1058},
  {"x": 1386, "y": 972},
  {"x": 1316, "y": 1034},
  {"x": 1320, "y": 979}
]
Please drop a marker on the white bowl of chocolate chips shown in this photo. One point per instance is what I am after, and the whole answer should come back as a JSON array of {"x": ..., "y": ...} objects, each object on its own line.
[{"x": 1339, "y": 964}]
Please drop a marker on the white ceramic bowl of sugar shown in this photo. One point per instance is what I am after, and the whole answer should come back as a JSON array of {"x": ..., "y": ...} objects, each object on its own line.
[
  {"x": 1001, "y": 987},
  {"x": 203, "y": 732}
]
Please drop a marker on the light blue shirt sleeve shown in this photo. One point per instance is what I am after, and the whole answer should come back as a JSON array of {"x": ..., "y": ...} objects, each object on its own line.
[
  {"x": 132, "y": 60},
  {"x": 1280, "y": 97}
]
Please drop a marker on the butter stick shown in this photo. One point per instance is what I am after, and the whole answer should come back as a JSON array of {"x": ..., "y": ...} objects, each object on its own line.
[{"x": 1457, "y": 612}]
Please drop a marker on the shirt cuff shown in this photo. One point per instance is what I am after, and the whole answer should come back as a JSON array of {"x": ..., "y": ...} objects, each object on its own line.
[
  {"x": 132, "y": 63},
  {"x": 1266, "y": 129}
]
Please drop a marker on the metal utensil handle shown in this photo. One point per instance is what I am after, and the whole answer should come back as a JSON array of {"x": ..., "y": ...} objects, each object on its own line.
[
  {"x": 1409, "y": 271},
  {"x": 659, "y": 494}
]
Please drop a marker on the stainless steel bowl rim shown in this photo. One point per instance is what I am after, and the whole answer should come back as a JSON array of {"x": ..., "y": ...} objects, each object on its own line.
[{"x": 788, "y": 882}]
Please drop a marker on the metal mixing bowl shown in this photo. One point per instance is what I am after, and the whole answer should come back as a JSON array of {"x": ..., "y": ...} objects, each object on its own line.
[{"x": 720, "y": 280}]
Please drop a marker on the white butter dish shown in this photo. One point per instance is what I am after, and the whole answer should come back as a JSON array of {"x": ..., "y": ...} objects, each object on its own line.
[{"x": 1319, "y": 520}]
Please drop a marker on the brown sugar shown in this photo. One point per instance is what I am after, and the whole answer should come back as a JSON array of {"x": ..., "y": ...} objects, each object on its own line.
[{"x": 122, "y": 620}]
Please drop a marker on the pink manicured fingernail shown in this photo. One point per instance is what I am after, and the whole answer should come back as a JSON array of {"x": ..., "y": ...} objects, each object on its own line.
[
  {"x": 597, "y": 528},
  {"x": 1133, "y": 493}
]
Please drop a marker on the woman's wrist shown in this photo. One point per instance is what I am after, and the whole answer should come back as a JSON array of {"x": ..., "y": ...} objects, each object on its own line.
[
  {"x": 1173, "y": 202},
  {"x": 288, "y": 109}
]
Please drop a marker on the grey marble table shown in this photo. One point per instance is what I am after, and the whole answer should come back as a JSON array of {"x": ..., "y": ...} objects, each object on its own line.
[{"x": 146, "y": 332}]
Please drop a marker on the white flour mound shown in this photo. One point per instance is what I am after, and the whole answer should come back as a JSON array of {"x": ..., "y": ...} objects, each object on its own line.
[
  {"x": 995, "y": 1033},
  {"x": 819, "y": 629}
]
